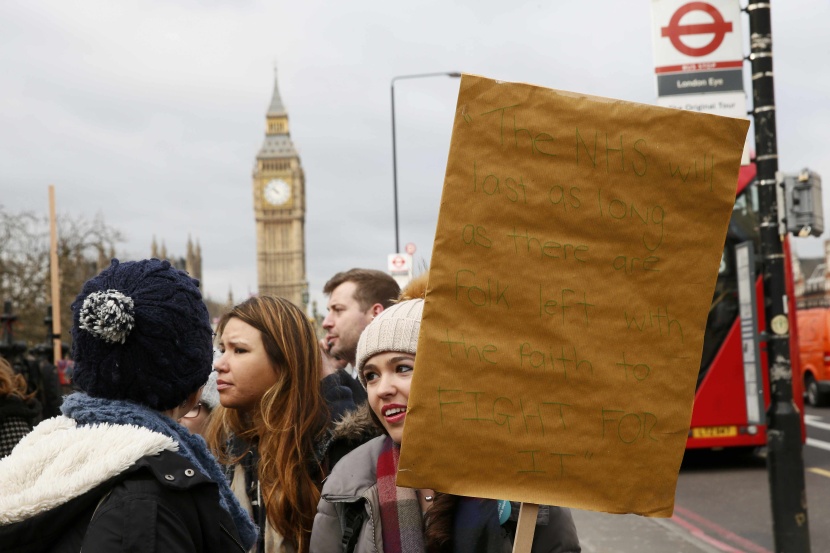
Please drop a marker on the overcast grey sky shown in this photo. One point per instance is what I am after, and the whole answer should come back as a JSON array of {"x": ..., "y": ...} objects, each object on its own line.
[{"x": 151, "y": 112}]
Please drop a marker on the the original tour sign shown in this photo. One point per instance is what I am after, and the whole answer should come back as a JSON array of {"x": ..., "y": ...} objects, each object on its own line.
[{"x": 574, "y": 263}]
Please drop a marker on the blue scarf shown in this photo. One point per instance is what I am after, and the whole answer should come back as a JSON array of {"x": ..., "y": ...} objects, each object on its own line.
[{"x": 86, "y": 410}]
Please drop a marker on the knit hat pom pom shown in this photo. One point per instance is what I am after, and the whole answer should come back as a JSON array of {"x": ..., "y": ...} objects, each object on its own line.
[{"x": 108, "y": 315}]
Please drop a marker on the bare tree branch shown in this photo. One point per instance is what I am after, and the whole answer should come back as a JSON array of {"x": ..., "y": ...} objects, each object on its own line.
[{"x": 84, "y": 246}]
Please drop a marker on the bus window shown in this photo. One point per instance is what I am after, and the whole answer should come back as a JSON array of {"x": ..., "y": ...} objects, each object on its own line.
[{"x": 743, "y": 226}]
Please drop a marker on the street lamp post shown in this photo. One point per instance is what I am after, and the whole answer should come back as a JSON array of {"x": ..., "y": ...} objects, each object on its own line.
[{"x": 394, "y": 150}]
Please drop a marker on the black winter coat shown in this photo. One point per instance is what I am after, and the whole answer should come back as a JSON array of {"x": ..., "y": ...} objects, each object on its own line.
[{"x": 160, "y": 504}]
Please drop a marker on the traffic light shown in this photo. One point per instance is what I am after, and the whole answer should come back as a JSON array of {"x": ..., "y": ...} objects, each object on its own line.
[{"x": 800, "y": 209}]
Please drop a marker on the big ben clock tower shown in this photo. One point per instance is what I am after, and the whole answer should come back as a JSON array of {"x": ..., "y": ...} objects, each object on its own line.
[{"x": 279, "y": 208}]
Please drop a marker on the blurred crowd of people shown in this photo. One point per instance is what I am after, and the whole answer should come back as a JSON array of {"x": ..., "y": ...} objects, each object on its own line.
[{"x": 260, "y": 436}]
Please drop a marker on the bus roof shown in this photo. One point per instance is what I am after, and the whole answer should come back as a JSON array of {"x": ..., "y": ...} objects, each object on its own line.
[{"x": 745, "y": 176}]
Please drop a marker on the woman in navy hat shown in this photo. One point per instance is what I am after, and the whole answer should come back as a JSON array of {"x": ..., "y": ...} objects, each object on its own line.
[{"x": 116, "y": 472}]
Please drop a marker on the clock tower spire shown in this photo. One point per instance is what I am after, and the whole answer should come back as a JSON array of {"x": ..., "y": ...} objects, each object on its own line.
[{"x": 279, "y": 209}]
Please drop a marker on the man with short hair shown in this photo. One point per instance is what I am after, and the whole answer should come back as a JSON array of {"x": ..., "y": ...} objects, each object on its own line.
[{"x": 356, "y": 297}]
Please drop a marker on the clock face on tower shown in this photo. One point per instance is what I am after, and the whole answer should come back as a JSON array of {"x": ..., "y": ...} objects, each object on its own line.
[{"x": 277, "y": 192}]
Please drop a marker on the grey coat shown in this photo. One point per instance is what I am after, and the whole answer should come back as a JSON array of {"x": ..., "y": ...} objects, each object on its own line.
[{"x": 354, "y": 479}]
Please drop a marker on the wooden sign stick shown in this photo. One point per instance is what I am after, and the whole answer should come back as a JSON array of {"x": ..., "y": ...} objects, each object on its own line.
[
  {"x": 55, "y": 279},
  {"x": 525, "y": 527}
]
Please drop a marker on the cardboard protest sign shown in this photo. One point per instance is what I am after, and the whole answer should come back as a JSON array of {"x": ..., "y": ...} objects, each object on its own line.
[{"x": 575, "y": 259}]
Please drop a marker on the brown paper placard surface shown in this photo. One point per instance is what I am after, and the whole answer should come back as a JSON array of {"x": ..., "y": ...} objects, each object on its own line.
[{"x": 575, "y": 259}]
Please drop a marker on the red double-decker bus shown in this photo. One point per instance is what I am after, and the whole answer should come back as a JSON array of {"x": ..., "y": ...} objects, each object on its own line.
[{"x": 721, "y": 415}]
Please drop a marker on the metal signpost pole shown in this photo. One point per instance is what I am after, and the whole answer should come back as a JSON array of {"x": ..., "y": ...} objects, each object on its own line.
[
  {"x": 785, "y": 463},
  {"x": 395, "y": 170},
  {"x": 455, "y": 74}
]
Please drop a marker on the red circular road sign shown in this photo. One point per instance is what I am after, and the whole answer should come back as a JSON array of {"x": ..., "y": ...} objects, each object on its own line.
[
  {"x": 718, "y": 27},
  {"x": 398, "y": 262},
  {"x": 410, "y": 248}
]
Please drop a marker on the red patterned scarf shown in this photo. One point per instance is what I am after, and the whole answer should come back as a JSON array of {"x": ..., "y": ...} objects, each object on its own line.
[{"x": 400, "y": 514}]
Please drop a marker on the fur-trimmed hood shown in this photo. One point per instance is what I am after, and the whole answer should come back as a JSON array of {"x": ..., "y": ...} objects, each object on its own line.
[
  {"x": 352, "y": 430},
  {"x": 60, "y": 460},
  {"x": 355, "y": 425}
]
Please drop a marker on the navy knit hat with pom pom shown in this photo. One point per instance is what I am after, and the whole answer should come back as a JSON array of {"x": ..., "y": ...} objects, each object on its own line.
[{"x": 141, "y": 332}]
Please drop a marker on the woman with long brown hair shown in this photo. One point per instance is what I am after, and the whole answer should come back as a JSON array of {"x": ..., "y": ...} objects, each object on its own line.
[{"x": 271, "y": 426}]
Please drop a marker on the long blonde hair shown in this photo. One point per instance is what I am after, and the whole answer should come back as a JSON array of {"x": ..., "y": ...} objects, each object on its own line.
[
  {"x": 292, "y": 416},
  {"x": 11, "y": 383}
]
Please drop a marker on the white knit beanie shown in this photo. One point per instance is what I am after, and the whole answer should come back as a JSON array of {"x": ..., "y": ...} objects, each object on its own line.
[
  {"x": 210, "y": 395},
  {"x": 395, "y": 329}
]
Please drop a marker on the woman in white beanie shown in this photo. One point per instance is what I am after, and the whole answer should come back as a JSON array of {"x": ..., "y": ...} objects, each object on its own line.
[
  {"x": 196, "y": 420},
  {"x": 362, "y": 510}
]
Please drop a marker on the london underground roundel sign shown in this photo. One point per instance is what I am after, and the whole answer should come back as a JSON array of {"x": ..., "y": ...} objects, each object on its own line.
[
  {"x": 716, "y": 29},
  {"x": 696, "y": 32}
]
